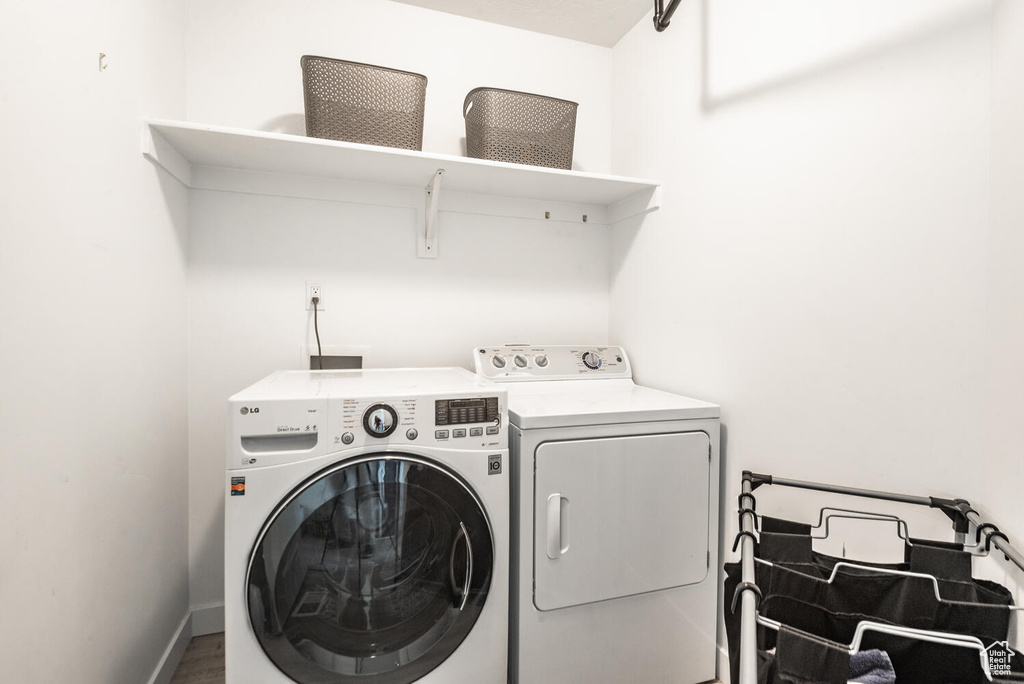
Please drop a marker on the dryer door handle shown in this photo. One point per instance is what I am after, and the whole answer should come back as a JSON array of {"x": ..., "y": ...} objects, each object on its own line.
[{"x": 558, "y": 526}]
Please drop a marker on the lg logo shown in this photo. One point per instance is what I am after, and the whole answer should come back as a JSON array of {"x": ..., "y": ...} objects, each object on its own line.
[{"x": 244, "y": 410}]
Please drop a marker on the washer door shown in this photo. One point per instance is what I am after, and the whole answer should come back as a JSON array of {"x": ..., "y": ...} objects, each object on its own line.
[{"x": 374, "y": 570}]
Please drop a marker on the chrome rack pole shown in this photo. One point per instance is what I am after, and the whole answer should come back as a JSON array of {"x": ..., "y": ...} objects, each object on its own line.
[
  {"x": 748, "y": 600},
  {"x": 955, "y": 509},
  {"x": 867, "y": 493},
  {"x": 958, "y": 507}
]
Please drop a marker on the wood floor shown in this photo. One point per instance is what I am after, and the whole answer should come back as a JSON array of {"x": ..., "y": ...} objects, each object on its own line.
[{"x": 203, "y": 661}]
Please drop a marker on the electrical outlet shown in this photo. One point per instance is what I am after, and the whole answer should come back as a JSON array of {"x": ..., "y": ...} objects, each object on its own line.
[{"x": 314, "y": 289}]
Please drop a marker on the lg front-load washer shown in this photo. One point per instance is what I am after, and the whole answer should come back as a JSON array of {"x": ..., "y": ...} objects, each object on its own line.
[
  {"x": 614, "y": 520},
  {"x": 366, "y": 529}
]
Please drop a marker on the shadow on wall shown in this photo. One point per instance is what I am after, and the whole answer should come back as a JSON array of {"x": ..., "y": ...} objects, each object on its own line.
[
  {"x": 752, "y": 48},
  {"x": 176, "y": 199},
  {"x": 208, "y": 552},
  {"x": 624, "y": 237},
  {"x": 725, "y": 475},
  {"x": 150, "y": 629}
]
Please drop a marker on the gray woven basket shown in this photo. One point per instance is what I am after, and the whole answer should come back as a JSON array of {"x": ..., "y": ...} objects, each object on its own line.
[
  {"x": 363, "y": 103},
  {"x": 510, "y": 126}
]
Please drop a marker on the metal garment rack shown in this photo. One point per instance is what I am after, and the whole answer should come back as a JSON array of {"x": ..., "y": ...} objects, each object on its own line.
[{"x": 959, "y": 511}]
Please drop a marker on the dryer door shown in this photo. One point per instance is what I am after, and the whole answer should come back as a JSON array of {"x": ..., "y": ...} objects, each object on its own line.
[
  {"x": 619, "y": 516},
  {"x": 374, "y": 570}
]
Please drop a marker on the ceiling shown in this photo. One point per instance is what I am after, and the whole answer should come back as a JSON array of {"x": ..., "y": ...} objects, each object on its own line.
[{"x": 601, "y": 22}]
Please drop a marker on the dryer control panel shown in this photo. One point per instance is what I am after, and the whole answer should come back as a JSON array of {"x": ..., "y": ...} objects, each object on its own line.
[{"x": 524, "y": 362}]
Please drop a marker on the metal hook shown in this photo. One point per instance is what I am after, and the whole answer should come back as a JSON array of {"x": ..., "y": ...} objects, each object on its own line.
[
  {"x": 662, "y": 14},
  {"x": 103, "y": 66}
]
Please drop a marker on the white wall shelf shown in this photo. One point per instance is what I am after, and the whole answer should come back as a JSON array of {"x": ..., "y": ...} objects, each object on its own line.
[{"x": 217, "y": 158}]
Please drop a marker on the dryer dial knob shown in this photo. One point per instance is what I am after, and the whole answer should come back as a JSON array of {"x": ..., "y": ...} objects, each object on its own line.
[
  {"x": 498, "y": 361},
  {"x": 520, "y": 360},
  {"x": 380, "y": 420},
  {"x": 591, "y": 360}
]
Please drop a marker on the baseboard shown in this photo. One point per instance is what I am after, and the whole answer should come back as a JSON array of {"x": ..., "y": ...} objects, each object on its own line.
[
  {"x": 208, "y": 620},
  {"x": 172, "y": 655},
  {"x": 198, "y": 622}
]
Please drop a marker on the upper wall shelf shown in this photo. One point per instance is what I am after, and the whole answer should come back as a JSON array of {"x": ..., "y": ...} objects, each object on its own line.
[{"x": 218, "y": 158}]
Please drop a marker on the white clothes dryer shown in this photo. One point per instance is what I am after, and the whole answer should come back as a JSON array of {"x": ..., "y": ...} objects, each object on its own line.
[
  {"x": 614, "y": 520},
  {"x": 366, "y": 529}
]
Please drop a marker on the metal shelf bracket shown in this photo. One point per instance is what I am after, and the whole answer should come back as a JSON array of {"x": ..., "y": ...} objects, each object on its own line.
[{"x": 428, "y": 238}]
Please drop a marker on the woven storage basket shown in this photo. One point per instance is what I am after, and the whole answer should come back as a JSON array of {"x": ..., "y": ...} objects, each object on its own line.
[
  {"x": 510, "y": 126},
  {"x": 363, "y": 103}
]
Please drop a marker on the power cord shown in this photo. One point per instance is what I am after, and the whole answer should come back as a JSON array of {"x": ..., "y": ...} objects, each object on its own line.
[{"x": 316, "y": 329}]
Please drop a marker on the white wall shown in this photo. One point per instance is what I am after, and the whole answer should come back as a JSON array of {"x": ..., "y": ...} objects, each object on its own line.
[
  {"x": 828, "y": 263},
  {"x": 497, "y": 280},
  {"x": 819, "y": 266},
  {"x": 1004, "y": 406},
  {"x": 835, "y": 263},
  {"x": 93, "y": 463}
]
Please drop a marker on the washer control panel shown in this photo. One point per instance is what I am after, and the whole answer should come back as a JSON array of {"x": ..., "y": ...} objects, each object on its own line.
[
  {"x": 380, "y": 420},
  {"x": 459, "y": 411},
  {"x": 524, "y": 362},
  {"x": 293, "y": 416},
  {"x": 465, "y": 422}
]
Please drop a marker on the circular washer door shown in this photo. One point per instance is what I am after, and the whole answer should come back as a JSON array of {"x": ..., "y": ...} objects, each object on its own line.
[{"x": 374, "y": 570}]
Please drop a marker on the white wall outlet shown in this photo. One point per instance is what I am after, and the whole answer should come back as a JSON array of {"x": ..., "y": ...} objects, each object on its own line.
[{"x": 314, "y": 289}]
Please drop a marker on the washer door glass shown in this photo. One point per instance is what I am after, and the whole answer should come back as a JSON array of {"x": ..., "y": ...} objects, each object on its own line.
[{"x": 374, "y": 570}]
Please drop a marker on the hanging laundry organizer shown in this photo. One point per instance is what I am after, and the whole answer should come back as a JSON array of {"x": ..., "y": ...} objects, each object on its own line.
[{"x": 795, "y": 615}]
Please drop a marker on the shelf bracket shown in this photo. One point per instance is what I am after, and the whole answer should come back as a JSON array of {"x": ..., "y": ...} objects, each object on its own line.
[
  {"x": 156, "y": 148},
  {"x": 428, "y": 239}
]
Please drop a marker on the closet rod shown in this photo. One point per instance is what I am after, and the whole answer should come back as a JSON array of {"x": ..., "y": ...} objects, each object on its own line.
[{"x": 663, "y": 15}]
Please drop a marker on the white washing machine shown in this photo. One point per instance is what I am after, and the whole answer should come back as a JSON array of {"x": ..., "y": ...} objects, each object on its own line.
[
  {"x": 366, "y": 529},
  {"x": 614, "y": 520}
]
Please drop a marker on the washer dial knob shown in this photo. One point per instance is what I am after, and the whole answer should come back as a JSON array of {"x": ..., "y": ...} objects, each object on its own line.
[
  {"x": 520, "y": 361},
  {"x": 591, "y": 360},
  {"x": 541, "y": 360},
  {"x": 498, "y": 361},
  {"x": 380, "y": 420}
]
